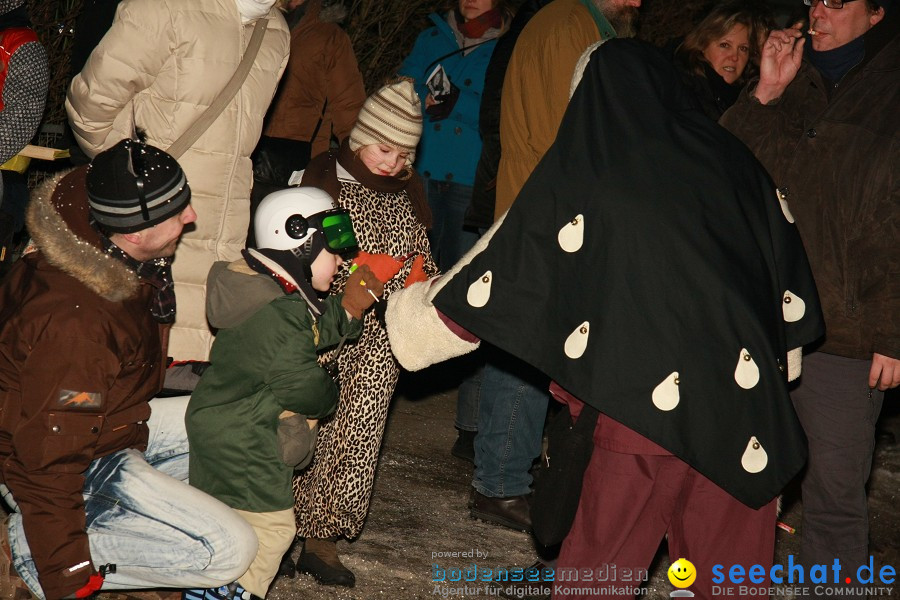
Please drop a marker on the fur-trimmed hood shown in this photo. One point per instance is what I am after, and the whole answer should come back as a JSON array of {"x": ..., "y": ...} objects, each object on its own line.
[{"x": 59, "y": 222}]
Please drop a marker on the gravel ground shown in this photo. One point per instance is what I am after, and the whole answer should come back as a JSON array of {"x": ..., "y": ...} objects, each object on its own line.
[
  {"x": 419, "y": 510},
  {"x": 419, "y": 518}
]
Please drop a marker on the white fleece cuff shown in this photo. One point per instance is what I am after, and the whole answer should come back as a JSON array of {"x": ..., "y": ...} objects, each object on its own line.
[
  {"x": 418, "y": 336},
  {"x": 794, "y": 360}
]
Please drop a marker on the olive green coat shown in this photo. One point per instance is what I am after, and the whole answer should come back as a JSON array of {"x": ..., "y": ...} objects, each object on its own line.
[{"x": 262, "y": 364}]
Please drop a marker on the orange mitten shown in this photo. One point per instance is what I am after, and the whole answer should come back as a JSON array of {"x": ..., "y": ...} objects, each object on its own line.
[
  {"x": 417, "y": 272},
  {"x": 383, "y": 266}
]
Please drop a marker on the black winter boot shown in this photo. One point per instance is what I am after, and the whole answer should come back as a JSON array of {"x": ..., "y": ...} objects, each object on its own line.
[{"x": 319, "y": 558}]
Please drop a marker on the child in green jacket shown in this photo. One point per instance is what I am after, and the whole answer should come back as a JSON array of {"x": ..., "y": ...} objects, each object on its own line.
[{"x": 264, "y": 380}]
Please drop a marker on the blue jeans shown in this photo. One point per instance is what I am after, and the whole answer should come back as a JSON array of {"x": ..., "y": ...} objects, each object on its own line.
[
  {"x": 511, "y": 413},
  {"x": 448, "y": 202},
  {"x": 449, "y": 241},
  {"x": 468, "y": 397},
  {"x": 143, "y": 517}
]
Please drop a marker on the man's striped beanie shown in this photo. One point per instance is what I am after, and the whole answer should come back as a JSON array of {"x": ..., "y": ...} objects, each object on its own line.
[{"x": 133, "y": 186}]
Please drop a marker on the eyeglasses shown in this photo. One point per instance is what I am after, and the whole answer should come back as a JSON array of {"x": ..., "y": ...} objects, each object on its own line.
[
  {"x": 828, "y": 3},
  {"x": 136, "y": 168}
]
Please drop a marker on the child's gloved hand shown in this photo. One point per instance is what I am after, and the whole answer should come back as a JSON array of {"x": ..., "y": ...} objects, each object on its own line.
[
  {"x": 417, "y": 272},
  {"x": 383, "y": 266},
  {"x": 362, "y": 290}
]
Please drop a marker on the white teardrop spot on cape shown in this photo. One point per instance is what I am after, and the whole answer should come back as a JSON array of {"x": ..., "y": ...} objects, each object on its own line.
[
  {"x": 571, "y": 236},
  {"x": 782, "y": 200},
  {"x": 665, "y": 395},
  {"x": 480, "y": 290},
  {"x": 577, "y": 340},
  {"x": 747, "y": 373},
  {"x": 755, "y": 458},
  {"x": 792, "y": 306}
]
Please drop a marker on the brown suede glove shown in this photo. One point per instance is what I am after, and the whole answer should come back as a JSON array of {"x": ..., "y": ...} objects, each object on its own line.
[{"x": 362, "y": 290}]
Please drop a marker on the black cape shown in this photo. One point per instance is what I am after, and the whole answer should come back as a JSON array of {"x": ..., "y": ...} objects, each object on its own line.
[{"x": 649, "y": 268}]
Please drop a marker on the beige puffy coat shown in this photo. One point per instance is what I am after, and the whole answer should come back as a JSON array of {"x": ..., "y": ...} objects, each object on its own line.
[{"x": 166, "y": 61}]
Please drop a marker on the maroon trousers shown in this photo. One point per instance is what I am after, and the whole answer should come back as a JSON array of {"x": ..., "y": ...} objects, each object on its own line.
[{"x": 630, "y": 501}]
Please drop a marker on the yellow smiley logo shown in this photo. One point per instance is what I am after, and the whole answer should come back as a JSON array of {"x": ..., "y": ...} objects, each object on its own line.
[{"x": 682, "y": 573}]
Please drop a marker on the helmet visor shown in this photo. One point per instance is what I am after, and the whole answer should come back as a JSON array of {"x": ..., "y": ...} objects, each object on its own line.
[{"x": 337, "y": 229}]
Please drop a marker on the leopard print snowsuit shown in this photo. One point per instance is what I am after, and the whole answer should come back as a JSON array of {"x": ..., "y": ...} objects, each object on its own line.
[{"x": 333, "y": 494}]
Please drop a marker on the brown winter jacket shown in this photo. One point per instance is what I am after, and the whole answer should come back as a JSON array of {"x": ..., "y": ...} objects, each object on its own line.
[
  {"x": 80, "y": 356},
  {"x": 536, "y": 90},
  {"x": 838, "y": 155},
  {"x": 322, "y": 65}
]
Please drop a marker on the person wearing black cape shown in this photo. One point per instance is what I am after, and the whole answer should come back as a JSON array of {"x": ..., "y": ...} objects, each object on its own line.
[{"x": 652, "y": 271}]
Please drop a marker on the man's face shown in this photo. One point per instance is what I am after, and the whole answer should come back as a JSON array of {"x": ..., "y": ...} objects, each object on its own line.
[
  {"x": 160, "y": 240},
  {"x": 835, "y": 27},
  {"x": 621, "y": 14}
]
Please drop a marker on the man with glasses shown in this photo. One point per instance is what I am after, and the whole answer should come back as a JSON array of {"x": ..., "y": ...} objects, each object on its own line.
[
  {"x": 823, "y": 119},
  {"x": 96, "y": 472}
]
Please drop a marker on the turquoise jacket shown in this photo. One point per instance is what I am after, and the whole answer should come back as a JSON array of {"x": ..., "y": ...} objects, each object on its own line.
[
  {"x": 263, "y": 363},
  {"x": 449, "y": 148}
]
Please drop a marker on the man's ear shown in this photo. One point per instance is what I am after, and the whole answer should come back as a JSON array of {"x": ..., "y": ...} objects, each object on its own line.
[
  {"x": 134, "y": 238},
  {"x": 876, "y": 16}
]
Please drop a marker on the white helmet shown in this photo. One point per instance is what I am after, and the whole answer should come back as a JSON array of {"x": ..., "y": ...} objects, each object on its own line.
[
  {"x": 286, "y": 223},
  {"x": 282, "y": 220}
]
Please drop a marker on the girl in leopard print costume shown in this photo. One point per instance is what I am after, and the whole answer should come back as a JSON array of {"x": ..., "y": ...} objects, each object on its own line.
[{"x": 370, "y": 175}]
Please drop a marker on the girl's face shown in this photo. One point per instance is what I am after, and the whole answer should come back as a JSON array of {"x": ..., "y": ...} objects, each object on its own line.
[
  {"x": 382, "y": 159},
  {"x": 324, "y": 268},
  {"x": 729, "y": 54},
  {"x": 470, "y": 9}
]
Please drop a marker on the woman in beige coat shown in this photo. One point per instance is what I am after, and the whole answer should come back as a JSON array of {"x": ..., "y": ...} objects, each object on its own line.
[{"x": 159, "y": 66}]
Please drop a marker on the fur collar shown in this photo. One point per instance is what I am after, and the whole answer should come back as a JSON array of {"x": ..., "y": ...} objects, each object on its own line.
[{"x": 57, "y": 219}]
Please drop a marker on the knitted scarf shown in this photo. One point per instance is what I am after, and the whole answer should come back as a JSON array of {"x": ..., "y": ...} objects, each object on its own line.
[
  {"x": 156, "y": 272},
  {"x": 477, "y": 27}
]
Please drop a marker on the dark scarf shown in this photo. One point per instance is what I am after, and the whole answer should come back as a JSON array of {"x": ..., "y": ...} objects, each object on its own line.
[
  {"x": 156, "y": 272},
  {"x": 834, "y": 64},
  {"x": 17, "y": 17},
  {"x": 713, "y": 93},
  {"x": 476, "y": 28},
  {"x": 322, "y": 173}
]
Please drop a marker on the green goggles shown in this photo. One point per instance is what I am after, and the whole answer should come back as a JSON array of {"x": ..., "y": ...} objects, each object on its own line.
[{"x": 337, "y": 229}]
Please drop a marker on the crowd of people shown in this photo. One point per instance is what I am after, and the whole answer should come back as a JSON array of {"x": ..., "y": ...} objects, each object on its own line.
[{"x": 691, "y": 249}]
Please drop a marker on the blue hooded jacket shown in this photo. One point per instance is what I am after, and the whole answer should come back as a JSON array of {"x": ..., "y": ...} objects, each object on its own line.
[{"x": 449, "y": 148}]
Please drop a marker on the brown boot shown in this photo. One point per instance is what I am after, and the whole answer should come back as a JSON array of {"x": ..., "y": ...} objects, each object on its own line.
[
  {"x": 11, "y": 585},
  {"x": 319, "y": 558}
]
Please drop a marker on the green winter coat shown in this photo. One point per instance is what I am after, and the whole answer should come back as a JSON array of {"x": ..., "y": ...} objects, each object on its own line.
[{"x": 263, "y": 362}]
